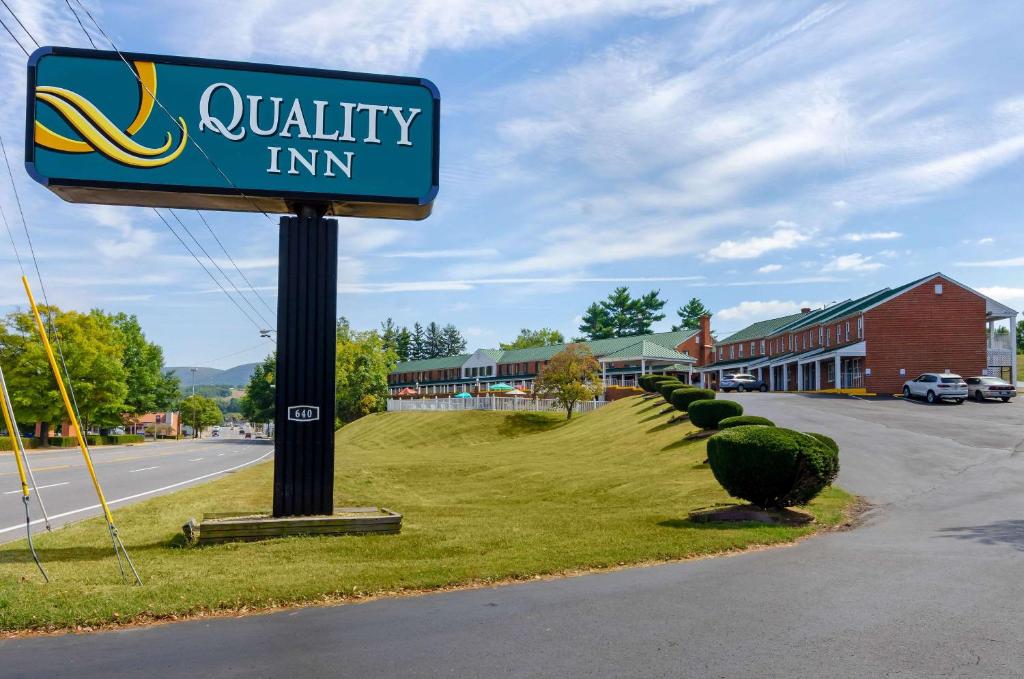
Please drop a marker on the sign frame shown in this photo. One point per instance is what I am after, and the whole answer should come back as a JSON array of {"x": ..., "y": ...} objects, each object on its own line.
[{"x": 141, "y": 194}]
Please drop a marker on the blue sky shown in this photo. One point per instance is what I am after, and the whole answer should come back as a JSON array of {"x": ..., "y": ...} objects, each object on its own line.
[{"x": 760, "y": 156}]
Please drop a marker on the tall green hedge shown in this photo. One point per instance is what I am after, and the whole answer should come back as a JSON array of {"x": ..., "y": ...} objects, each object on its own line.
[
  {"x": 707, "y": 413},
  {"x": 772, "y": 467}
]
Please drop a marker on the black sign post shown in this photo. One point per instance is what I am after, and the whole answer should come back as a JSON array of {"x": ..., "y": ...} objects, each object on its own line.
[{"x": 307, "y": 292}]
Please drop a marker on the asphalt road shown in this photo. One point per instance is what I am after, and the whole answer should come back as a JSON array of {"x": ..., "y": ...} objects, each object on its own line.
[
  {"x": 126, "y": 473},
  {"x": 931, "y": 585}
]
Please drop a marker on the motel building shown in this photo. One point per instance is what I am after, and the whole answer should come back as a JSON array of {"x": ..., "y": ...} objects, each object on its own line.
[
  {"x": 622, "y": 360},
  {"x": 874, "y": 343}
]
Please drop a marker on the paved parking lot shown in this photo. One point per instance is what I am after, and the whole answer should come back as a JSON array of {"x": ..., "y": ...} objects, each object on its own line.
[{"x": 931, "y": 585}]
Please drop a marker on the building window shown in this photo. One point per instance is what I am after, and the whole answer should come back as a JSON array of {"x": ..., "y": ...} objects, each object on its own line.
[
  {"x": 821, "y": 334},
  {"x": 828, "y": 338},
  {"x": 762, "y": 347},
  {"x": 732, "y": 351},
  {"x": 860, "y": 327},
  {"x": 751, "y": 348},
  {"x": 741, "y": 351},
  {"x": 847, "y": 335}
]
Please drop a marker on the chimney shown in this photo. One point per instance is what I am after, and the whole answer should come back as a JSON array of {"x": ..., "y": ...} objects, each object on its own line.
[
  {"x": 706, "y": 349},
  {"x": 806, "y": 310}
]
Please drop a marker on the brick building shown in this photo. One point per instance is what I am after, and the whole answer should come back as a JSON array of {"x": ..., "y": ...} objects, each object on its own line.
[
  {"x": 875, "y": 342},
  {"x": 622, "y": 360}
]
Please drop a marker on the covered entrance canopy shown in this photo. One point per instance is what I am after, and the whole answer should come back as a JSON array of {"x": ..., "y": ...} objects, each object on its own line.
[{"x": 642, "y": 358}]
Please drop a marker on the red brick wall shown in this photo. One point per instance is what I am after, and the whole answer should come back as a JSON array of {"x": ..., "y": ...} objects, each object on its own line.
[{"x": 924, "y": 332}]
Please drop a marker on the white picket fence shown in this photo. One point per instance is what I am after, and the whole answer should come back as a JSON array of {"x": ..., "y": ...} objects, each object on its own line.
[{"x": 488, "y": 403}]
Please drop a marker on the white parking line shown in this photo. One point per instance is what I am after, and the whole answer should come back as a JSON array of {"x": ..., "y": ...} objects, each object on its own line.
[
  {"x": 49, "y": 485},
  {"x": 144, "y": 469},
  {"x": 21, "y": 526},
  {"x": 195, "y": 459}
]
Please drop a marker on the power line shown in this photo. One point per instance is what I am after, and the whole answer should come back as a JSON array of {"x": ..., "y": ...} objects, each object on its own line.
[
  {"x": 27, "y": 32},
  {"x": 234, "y": 353},
  {"x": 80, "y": 24},
  {"x": 208, "y": 272},
  {"x": 42, "y": 285},
  {"x": 222, "y": 273},
  {"x": 18, "y": 42},
  {"x": 174, "y": 120},
  {"x": 210, "y": 160},
  {"x": 232, "y": 260}
]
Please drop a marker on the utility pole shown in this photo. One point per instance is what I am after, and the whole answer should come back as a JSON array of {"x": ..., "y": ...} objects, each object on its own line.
[{"x": 195, "y": 430}]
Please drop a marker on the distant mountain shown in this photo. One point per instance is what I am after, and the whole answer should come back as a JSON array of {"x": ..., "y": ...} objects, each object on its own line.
[{"x": 232, "y": 377}]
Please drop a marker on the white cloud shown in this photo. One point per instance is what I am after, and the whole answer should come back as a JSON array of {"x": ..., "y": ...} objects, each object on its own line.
[
  {"x": 1006, "y": 295},
  {"x": 986, "y": 241},
  {"x": 770, "y": 268},
  {"x": 753, "y": 310},
  {"x": 872, "y": 235},
  {"x": 391, "y": 35},
  {"x": 852, "y": 262},
  {"x": 785, "y": 238}
]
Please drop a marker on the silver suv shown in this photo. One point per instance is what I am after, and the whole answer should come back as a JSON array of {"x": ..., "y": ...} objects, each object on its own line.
[
  {"x": 935, "y": 387},
  {"x": 742, "y": 382}
]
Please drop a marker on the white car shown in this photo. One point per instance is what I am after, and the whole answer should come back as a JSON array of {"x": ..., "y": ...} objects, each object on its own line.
[{"x": 934, "y": 387}]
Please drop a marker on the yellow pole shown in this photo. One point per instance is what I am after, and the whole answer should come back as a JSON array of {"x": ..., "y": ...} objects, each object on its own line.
[
  {"x": 67, "y": 401},
  {"x": 14, "y": 447}
]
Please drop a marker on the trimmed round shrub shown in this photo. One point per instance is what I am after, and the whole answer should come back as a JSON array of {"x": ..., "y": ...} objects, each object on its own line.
[
  {"x": 682, "y": 398},
  {"x": 707, "y": 413},
  {"x": 740, "y": 420},
  {"x": 650, "y": 382},
  {"x": 771, "y": 467},
  {"x": 666, "y": 388},
  {"x": 827, "y": 440}
]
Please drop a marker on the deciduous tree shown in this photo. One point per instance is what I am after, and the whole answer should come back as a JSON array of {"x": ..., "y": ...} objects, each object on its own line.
[
  {"x": 534, "y": 338},
  {"x": 93, "y": 350},
  {"x": 572, "y": 375},
  {"x": 258, "y": 402},
  {"x": 200, "y": 412},
  {"x": 362, "y": 367}
]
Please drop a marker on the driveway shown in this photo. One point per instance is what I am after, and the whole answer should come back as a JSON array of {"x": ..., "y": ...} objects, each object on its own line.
[{"x": 930, "y": 586}]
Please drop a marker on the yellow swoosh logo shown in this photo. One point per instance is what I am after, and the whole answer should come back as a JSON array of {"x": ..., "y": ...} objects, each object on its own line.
[{"x": 99, "y": 133}]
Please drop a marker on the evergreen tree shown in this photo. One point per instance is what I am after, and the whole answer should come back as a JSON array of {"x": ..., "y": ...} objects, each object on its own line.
[
  {"x": 389, "y": 334},
  {"x": 690, "y": 314},
  {"x": 452, "y": 340},
  {"x": 644, "y": 313},
  {"x": 417, "y": 343},
  {"x": 403, "y": 344},
  {"x": 622, "y": 315},
  {"x": 596, "y": 323},
  {"x": 433, "y": 341}
]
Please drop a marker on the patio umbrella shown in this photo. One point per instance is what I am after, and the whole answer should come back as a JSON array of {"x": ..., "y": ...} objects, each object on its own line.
[
  {"x": 500, "y": 386},
  {"x": 515, "y": 392},
  {"x": 408, "y": 391},
  {"x": 463, "y": 394}
]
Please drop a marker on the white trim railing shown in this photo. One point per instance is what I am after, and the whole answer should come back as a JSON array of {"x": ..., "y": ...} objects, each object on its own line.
[{"x": 507, "y": 403}]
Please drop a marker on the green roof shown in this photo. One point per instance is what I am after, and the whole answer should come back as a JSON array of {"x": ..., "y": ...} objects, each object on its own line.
[
  {"x": 659, "y": 345},
  {"x": 603, "y": 347},
  {"x": 646, "y": 349},
  {"x": 431, "y": 363},
  {"x": 761, "y": 328}
]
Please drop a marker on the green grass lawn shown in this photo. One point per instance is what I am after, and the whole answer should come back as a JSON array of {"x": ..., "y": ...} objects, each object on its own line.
[{"x": 485, "y": 496}]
